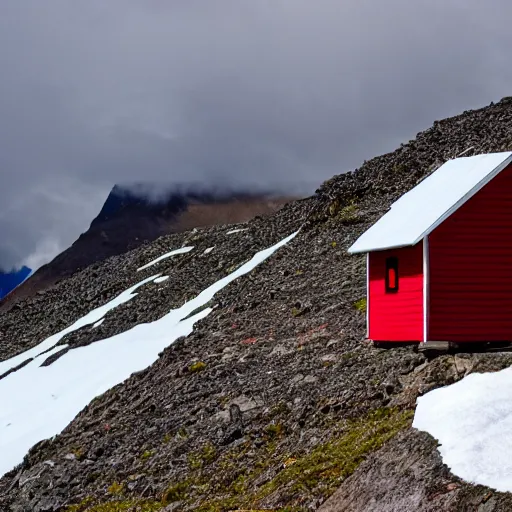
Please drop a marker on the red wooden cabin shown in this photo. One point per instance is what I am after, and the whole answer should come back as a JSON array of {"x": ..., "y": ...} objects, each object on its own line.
[{"x": 439, "y": 262}]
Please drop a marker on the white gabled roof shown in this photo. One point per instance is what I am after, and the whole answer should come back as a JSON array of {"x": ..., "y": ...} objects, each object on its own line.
[{"x": 422, "y": 209}]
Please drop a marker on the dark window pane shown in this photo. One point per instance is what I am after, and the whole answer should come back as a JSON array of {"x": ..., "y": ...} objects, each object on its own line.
[{"x": 391, "y": 274}]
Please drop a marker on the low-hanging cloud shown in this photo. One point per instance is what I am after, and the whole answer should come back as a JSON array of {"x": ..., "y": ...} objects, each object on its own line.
[{"x": 256, "y": 93}]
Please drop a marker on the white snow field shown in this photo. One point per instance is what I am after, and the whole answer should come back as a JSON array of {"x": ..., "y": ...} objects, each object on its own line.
[
  {"x": 93, "y": 317},
  {"x": 472, "y": 420},
  {"x": 182, "y": 250},
  {"x": 37, "y": 402}
]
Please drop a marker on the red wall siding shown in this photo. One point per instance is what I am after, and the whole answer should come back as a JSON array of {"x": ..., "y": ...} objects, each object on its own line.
[
  {"x": 397, "y": 316},
  {"x": 471, "y": 268}
]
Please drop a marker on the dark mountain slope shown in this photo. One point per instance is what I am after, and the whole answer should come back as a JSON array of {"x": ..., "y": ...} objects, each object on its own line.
[
  {"x": 127, "y": 221},
  {"x": 288, "y": 404}
]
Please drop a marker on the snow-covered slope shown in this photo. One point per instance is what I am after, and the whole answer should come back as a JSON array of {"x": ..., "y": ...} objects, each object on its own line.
[
  {"x": 37, "y": 402},
  {"x": 472, "y": 419}
]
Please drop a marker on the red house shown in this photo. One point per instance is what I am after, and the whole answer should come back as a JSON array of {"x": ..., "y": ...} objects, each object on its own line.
[{"x": 439, "y": 262}]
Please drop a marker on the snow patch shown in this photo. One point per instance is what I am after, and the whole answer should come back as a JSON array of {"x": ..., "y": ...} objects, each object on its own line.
[
  {"x": 209, "y": 250},
  {"x": 92, "y": 317},
  {"x": 236, "y": 231},
  {"x": 183, "y": 250},
  {"x": 97, "y": 324},
  {"x": 37, "y": 402},
  {"x": 161, "y": 279},
  {"x": 472, "y": 419}
]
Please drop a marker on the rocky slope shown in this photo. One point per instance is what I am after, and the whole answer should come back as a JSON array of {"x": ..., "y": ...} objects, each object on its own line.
[
  {"x": 275, "y": 401},
  {"x": 128, "y": 220}
]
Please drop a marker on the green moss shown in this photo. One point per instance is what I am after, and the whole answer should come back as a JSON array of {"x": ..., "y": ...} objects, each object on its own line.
[
  {"x": 176, "y": 492},
  {"x": 78, "y": 452},
  {"x": 274, "y": 430},
  {"x": 147, "y": 454},
  {"x": 329, "y": 464},
  {"x": 296, "y": 311},
  {"x": 115, "y": 488},
  {"x": 198, "y": 366},
  {"x": 299, "y": 475},
  {"x": 116, "y": 506},
  {"x": 206, "y": 455},
  {"x": 333, "y": 245},
  {"x": 334, "y": 207},
  {"x": 349, "y": 213},
  {"x": 194, "y": 461},
  {"x": 182, "y": 432},
  {"x": 360, "y": 305}
]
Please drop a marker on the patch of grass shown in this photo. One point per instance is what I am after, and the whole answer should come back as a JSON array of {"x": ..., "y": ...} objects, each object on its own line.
[
  {"x": 78, "y": 452},
  {"x": 176, "y": 492},
  {"x": 196, "y": 367},
  {"x": 88, "y": 505},
  {"x": 206, "y": 455},
  {"x": 209, "y": 452},
  {"x": 147, "y": 454},
  {"x": 334, "y": 207},
  {"x": 361, "y": 305},
  {"x": 275, "y": 430},
  {"x": 182, "y": 432},
  {"x": 329, "y": 464},
  {"x": 348, "y": 214},
  {"x": 115, "y": 488},
  {"x": 310, "y": 475}
]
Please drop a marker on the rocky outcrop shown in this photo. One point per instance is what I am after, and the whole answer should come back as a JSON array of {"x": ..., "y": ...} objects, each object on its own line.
[{"x": 275, "y": 401}]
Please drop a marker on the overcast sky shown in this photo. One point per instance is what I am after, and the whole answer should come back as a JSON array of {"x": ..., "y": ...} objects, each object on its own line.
[{"x": 280, "y": 93}]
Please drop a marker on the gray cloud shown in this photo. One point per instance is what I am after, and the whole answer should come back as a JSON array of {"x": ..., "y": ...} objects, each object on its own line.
[{"x": 261, "y": 93}]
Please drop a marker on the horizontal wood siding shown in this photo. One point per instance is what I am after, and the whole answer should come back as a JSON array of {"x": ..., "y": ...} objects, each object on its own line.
[
  {"x": 471, "y": 268},
  {"x": 397, "y": 316}
]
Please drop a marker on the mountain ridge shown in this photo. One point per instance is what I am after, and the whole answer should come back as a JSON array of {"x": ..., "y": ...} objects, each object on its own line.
[{"x": 128, "y": 220}]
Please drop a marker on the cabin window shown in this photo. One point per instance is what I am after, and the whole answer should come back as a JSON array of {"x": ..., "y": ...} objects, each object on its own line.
[{"x": 391, "y": 275}]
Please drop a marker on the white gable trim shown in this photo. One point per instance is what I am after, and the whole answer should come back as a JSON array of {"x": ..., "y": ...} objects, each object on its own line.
[
  {"x": 426, "y": 289},
  {"x": 367, "y": 295},
  {"x": 479, "y": 186}
]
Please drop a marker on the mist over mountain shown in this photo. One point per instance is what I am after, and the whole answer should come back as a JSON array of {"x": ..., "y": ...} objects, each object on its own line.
[{"x": 137, "y": 213}]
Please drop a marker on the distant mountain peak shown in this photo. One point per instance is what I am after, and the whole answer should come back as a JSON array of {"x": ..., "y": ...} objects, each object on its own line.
[
  {"x": 12, "y": 279},
  {"x": 141, "y": 212}
]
